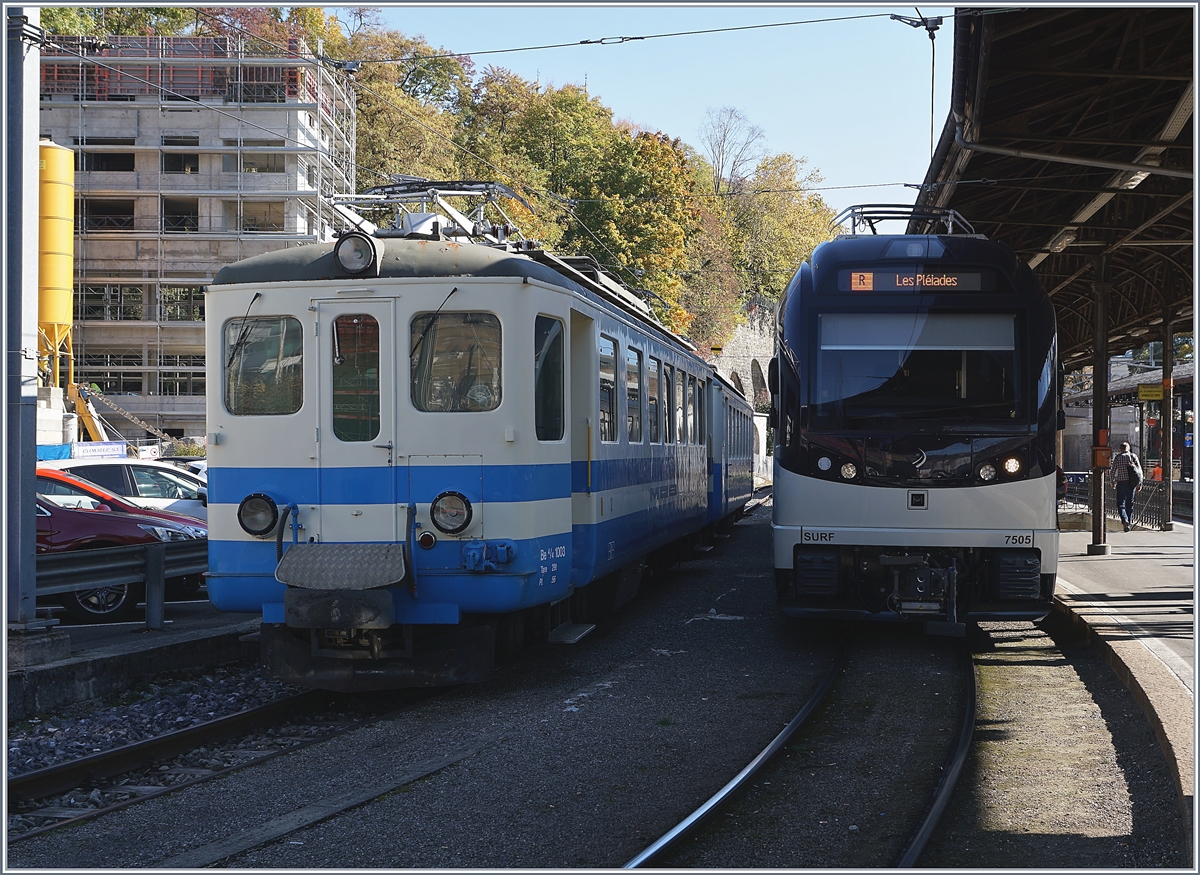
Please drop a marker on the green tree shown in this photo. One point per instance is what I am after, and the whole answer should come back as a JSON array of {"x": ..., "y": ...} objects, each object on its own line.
[{"x": 116, "y": 20}]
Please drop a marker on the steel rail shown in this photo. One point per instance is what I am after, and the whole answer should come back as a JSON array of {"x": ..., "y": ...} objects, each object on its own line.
[
  {"x": 688, "y": 824},
  {"x": 945, "y": 787},
  {"x": 66, "y": 776}
]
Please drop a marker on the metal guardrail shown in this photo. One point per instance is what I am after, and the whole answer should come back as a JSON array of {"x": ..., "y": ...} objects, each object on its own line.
[{"x": 148, "y": 564}]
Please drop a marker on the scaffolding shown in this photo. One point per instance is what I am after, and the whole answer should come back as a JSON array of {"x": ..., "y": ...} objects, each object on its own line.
[{"x": 192, "y": 153}]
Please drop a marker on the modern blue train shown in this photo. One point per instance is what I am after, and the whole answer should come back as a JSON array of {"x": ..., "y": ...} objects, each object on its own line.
[
  {"x": 423, "y": 449},
  {"x": 917, "y": 396}
]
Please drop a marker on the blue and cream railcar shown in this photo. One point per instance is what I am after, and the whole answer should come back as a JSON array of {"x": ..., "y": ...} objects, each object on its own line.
[
  {"x": 917, "y": 397},
  {"x": 731, "y": 442},
  {"x": 420, "y": 448}
]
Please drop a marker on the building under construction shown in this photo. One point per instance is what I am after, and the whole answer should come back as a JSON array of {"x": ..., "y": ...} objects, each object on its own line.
[{"x": 190, "y": 153}]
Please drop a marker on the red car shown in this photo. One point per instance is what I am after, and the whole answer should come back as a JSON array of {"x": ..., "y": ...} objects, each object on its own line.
[
  {"x": 61, "y": 488},
  {"x": 61, "y": 529}
]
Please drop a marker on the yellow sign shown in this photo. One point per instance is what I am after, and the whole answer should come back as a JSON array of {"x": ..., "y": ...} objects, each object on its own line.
[
  {"x": 1150, "y": 392},
  {"x": 861, "y": 282}
]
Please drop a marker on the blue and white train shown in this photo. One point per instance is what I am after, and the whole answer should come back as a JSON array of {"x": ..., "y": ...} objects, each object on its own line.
[
  {"x": 421, "y": 451},
  {"x": 917, "y": 396}
]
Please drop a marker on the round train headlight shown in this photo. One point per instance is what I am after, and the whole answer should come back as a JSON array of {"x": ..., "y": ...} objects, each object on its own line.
[
  {"x": 354, "y": 252},
  {"x": 1012, "y": 466},
  {"x": 451, "y": 512},
  {"x": 849, "y": 471},
  {"x": 824, "y": 463},
  {"x": 987, "y": 472},
  {"x": 258, "y": 514}
]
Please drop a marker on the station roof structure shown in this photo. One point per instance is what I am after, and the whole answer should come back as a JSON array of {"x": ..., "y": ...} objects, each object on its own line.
[{"x": 1070, "y": 138}]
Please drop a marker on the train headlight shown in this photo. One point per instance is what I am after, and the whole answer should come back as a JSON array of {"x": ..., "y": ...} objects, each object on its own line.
[
  {"x": 451, "y": 512},
  {"x": 824, "y": 463},
  {"x": 427, "y": 539},
  {"x": 849, "y": 471},
  {"x": 258, "y": 514},
  {"x": 356, "y": 252},
  {"x": 1012, "y": 466},
  {"x": 987, "y": 472}
]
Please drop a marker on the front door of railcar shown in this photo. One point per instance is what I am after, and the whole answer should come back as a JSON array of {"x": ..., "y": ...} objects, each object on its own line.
[{"x": 356, "y": 413}]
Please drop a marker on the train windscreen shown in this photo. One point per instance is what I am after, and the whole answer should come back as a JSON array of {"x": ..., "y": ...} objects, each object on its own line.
[{"x": 956, "y": 368}]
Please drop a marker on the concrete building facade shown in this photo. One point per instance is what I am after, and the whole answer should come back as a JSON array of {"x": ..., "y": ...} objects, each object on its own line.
[{"x": 191, "y": 153}]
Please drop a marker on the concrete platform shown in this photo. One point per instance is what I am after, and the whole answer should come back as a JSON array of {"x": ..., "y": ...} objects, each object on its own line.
[{"x": 104, "y": 660}]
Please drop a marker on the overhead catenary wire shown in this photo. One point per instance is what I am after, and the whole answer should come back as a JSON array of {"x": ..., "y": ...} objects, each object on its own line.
[{"x": 620, "y": 40}]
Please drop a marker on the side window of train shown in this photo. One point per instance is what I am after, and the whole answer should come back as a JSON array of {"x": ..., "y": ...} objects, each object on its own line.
[
  {"x": 608, "y": 389},
  {"x": 454, "y": 359},
  {"x": 633, "y": 394},
  {"x": 653, "y": 396},
  {"x": 680, "y": 395},
  {"x": 701, "y": 412},
  {"x": 668, "y": 404},
  {"x": 264, "y": 366},
  {"x": 691, "y": 409},
  {"x": 355, "y": 377},
  {"x": 548, "y": 393}
]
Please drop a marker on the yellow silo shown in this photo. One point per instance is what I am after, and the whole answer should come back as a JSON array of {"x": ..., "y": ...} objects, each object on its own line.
[{"x": 56, "y": 257}]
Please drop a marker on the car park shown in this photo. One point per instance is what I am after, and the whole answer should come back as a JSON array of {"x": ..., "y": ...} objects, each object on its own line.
[
  {"x": 67, "y": 490},
  {"x": 62, "y": 529},
  {"x": 155, "y": 485}
]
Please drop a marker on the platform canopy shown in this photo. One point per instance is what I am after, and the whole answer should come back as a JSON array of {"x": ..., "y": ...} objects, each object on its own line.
[{"x": 1070, "y": 138}]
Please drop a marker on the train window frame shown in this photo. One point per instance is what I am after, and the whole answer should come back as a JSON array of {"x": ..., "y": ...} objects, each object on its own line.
[
  {"x": 550, "y": 407},
  {"x": 690, "y": 410},
  {"x": 249, "y": 339},
  {"x": 633, "y": 394},
  {"x": 654, "y": 399},
  {"x": 680, "y": 406},
  {"x": 424, "y": 354},
  {"x": 668, "y": 403},
  {"x": 606, "y": 396},
  {"x": 353, "y": 382}
]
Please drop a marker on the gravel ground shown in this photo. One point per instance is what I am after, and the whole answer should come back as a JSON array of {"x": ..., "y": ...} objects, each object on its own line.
[
  {"x": 581, "y": 756},
  {"x": 1065, "y": 771},
  {"x": 850, "y": 788},
  {"x": 161, "y": 704}
]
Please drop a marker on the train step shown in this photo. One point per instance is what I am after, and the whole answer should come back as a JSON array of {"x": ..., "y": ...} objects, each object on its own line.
[{"x": 569, "y": 633}]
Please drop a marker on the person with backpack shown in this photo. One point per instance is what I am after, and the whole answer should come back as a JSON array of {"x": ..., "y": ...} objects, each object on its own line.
[{"x": 1126, "y": 473}]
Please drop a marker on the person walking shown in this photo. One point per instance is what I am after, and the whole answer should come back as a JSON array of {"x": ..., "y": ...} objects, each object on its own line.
[{"x": 1126, "y": 473}]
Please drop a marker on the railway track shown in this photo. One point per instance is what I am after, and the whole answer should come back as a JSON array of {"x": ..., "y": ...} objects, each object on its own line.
[
  {"x": 47, "y": 799},
  {"x": 666, "y": 850}
]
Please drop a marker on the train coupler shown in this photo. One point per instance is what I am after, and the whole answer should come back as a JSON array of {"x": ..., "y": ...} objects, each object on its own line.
[{"x": 920, "y": 589}]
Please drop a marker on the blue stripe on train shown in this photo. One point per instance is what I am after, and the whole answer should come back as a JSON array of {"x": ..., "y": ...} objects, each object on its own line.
[
  {"x": 366, "y": 486},
  {"x": 242, "y": 573},
  {"x": 500, "y": 482}
]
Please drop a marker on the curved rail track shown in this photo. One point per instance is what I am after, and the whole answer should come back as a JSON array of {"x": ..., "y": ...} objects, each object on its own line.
[{"x": 672, "y": 839}]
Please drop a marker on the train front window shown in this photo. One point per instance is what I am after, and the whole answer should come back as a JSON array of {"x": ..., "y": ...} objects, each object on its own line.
[
  {"x": 264, "y": 373},
  {"x": 954, "y": 367},
  {"x": 355, "y": 377},
  {"x": 455, "y": 362}
]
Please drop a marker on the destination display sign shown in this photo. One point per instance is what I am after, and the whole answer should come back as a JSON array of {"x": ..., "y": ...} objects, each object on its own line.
[{"x": 912, "y": 279}]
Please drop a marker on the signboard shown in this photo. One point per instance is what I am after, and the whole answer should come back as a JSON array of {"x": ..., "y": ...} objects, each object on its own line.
[
  {"x": 98, "y": 450},
  {"x": 909, "y": 279},
  {"x": 1150, "y": 392}
]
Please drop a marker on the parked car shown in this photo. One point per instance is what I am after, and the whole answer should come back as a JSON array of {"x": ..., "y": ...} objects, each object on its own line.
[
  {"x": 155, "y": 485},
  {"x": 62, "y": 529},
  {"x": 196, "y": 464},
  {"x": 67, "y": 490}
]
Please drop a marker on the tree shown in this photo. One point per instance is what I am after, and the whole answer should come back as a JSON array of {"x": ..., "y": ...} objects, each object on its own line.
[
  {"x": 733, "y": 146},
  {"x": 116, "y": 20}
]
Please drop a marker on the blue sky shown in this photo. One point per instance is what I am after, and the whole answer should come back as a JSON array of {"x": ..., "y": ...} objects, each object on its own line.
[{"x": 853, "y": 97}]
